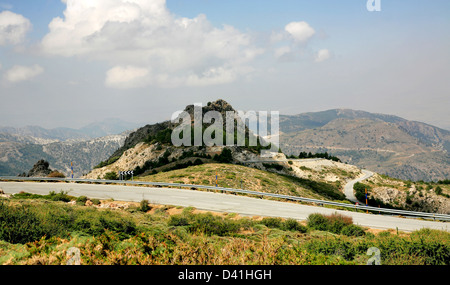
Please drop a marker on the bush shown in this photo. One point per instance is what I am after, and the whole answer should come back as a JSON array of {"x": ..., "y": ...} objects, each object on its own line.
[
  {"x": 19, "y": 225},
  {"x": 178, "y": 221},
  {"x": 334, "y": 223},
  {"x": 293, "y": 225},
  {"x": 95, "y": 201},
  {"x": 204, "y": 224},
  {"x": 144, "y": 206},
  {"x": 108, "y": 162},
  {"x": 272, "y": 222},
  {"x": 317, "y": 222},
  {"x": 111, "y": 176},
  {"x": 225, "y": 157},
  {"x": 56, "y": 174},
  {"x": 360, "y": 191},
  {"x": 353, "y": 230},
  {"x": 337, "y": 222},
  {"x": 81, "y": 200},
  {"x": 52, "y": 196},
  {"x": 61, "y": 196}
]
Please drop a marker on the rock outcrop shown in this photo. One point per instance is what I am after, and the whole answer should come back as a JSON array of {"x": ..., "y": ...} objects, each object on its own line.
[{"x": 40, "y": 169}]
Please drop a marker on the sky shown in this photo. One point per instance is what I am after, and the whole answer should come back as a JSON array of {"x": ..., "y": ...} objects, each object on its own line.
[{"x": 68, "y": 63}]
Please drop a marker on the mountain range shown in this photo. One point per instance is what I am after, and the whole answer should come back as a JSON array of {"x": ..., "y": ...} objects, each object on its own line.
[
  {"x": 21, "y": 148},
  {"x": 385, "y": 144},
  {"x": 94, "y": 130},
  {"x": 382, "y": 143}
]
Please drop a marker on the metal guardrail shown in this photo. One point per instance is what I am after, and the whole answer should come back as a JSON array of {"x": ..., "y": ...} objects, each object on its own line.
[{"x": 242, "y": 191}]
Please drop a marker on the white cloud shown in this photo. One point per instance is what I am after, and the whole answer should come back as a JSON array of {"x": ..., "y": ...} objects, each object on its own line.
[
  {"x": 323, "y": 55},
  {"x": 281, "y": 51},
  {"x": 144, "y": 33},
  {"x": 13, "y": 28},
  {"x": 291, "y": 42},
  {"x": 124, "y": 77},
  {"x": 20, "y": 73},
  {"x": 300, "y": 31}
]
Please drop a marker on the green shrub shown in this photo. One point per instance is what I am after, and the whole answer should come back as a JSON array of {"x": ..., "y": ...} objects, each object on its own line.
[
  {"x": 144, "y": 206},
  {"x": 334, "y": 223},
  {"x": 81, "y": 200},
  {"x": 360, "y": 191},
  {"x": 111, "y": 176},
  {"x": 19, "y": 225},
  {"x": 353, "y": 230},
  {"x": 225, "y": 157},
  {"x": 334, "y": 246},
  {"x": 178, "y": 221},
  {"x": 95, "y": 201},
  {"x": 108, "y": 162},
  {"x": 337, "y": 222},
  {"x": 317, "y": 222},
  {"x": 272, "y": 222},
  {"x": 293, "y": 225},
  {"x": 212, "y": 225},
  {"x": 61, "y": 196}
]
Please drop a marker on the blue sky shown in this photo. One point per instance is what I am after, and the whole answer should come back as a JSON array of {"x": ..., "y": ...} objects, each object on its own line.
[{"x": 112, "y": 60}]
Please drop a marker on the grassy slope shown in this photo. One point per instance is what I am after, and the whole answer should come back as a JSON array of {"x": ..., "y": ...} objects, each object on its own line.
[{"x": 230, "y": 176}]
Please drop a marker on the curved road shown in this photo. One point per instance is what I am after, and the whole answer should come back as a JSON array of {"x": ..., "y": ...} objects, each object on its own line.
[
  {"x": 348, "y": 189},
  {"x": 209, "y": 201}
]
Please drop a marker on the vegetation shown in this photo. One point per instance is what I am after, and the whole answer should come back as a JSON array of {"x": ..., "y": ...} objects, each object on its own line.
[
  {"x": 360, "y": 191},
  {"x": 111, "y": 176},
  {"x": 335, "y": 223},
  {"x": 239, "y": 176},
  {"x": 446, "y": 181},
  {"x": 56, "y": 174},
  {"x": 324, "y": 155},
  {"x": 107, "y": 162},
  {"x": 163, "y": 137},
  {"x": 38, "y": 232},
  {"x": 225, "y": 156}
]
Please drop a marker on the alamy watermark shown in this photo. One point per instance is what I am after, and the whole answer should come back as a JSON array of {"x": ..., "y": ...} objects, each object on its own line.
[
  {"x": 236, "y": 128},
  {"x": 373, "y": 5}
]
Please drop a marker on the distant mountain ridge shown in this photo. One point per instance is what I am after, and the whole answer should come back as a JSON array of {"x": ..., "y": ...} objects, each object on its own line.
[
  {"x": 383, "y": 143},
  {"x": 99, "y": 129},
  {"x": 21, "y": 148}
]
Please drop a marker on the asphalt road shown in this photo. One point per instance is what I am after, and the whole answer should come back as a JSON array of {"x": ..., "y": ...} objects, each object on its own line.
[
  {"x": 348, "y": 189},
  {"x": 217, "y": 202}
]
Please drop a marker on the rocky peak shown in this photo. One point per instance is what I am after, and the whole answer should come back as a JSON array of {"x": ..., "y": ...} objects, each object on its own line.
[
  {"x": 40, "y": 169},
  {"x": 219, "y": 105}
]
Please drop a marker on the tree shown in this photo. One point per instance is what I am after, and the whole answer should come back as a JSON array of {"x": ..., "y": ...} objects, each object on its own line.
[
  {"x": 111, "y": 176},
  {"x": 225, "y": 157}
]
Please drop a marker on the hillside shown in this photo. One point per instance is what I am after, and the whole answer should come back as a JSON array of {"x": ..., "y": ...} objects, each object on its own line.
[
  {"x": 149, "y": 153},
  {"x": 17, "y": 157},
  {"x": 382, "y": 143},
  {"x": 20, "y": 148}
]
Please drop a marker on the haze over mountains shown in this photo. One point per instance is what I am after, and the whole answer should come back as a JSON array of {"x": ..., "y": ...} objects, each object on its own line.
[{"x": 103, "y": 128}]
